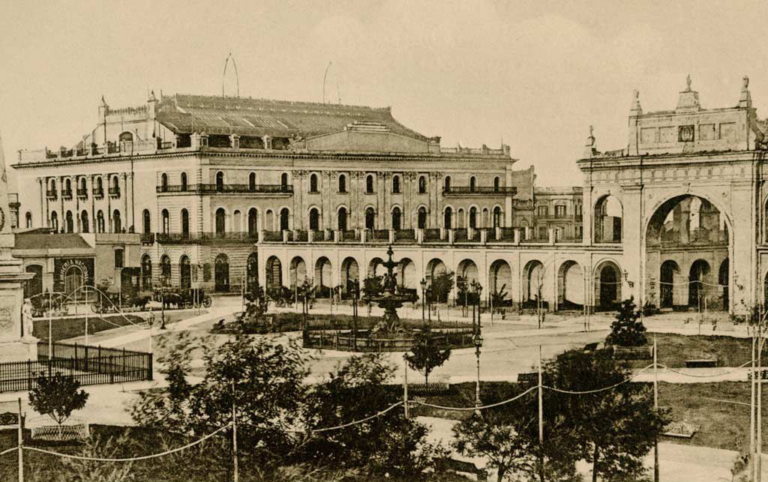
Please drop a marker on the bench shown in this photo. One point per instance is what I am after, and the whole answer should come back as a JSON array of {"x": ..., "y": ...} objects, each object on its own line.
[{"x": 701, "y": 363}]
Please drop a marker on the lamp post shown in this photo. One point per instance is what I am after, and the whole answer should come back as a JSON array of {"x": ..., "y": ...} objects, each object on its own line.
[
  {"x": 429, "y": 304},
  {"x": 355, "y": 297},
  {"x": 423, "y": 299},
  {"x": 478, "y": 340}
]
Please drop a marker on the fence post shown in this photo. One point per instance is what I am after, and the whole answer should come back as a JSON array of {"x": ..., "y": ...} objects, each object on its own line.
[
  {"x": 52, "y": 354},
  {"x": 123, "y": 372},
  {"x": 150, "y": 371},
  {"x": 98, "y": 367},
  {"x": 111, "y": 369},
  {"x": 76, "y": 358},
  {"x": 86, "y": 357},
  {"x": 29, "y": 376}
]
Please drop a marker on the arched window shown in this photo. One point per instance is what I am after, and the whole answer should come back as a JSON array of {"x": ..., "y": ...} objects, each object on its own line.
[
  {"x": 422, "y": 218},
  {"x": 496, "y": 184},
  {"x": 253, "y": 222},
  {"x": 164, "y": 182},
  {"x": 343, "y": 183},
  {"x": 370, "y": 219},
  {"x": 313, "y": 183},
  {"x": 422, "y": 184},
  {"x": 185, "y": 269},
  {"x": 185, "y": 223},
  {"x": 314, "y": 219},
  {"x": 184, "y": 181},
  {"x": 119, "y": 257},
  {"x": 396, "y": 184},
  {"x": 252, "y": 181},
  {"x": 83, "y": 187},
  {"x": 219, "y": 181},
  {"x": 472, "y": 184},
  {"x": 448, "y": 218},
  {"x": 100, "y": 225},
  {"x": 369, "y": 184},
  {"x": 115, "y": 182},
  {"x": 84, "y": 224},
  {"x": 54, "y": 221},
  {"x": 146, "y": 272},
  {"x": 126, "y": 137},
  {"x": 447, "y": 184},
  {"x": 29, "y": 219},
  {"x": 497, "y": 217},
  {"x": 70, "y": 222},
  {"x": 284, "y": 219},
  {"x": 99, "y": 191},
  {"x": 67, "y": 187},
  {"x": 166, "y": 221},
  {"x": 53, "y": 185},
  {"x": 342, "y": 225},
  {"x": 221, "y": 222},
  {"x": 284, "y": 181},
  {"x": 165, "y": 270},
  {"x": 146, "y": 222},
  {"x": 397, "y": 219},
  {"x": 473, "y": 217}
]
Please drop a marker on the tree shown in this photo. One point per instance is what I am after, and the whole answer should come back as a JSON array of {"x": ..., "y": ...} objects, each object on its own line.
[
  {"x": 442, "y": 284},
  {"x": 626, "y": 330},
  {"x": 387, "y": 444},
  {"x": 616, "y": 424},
  {"x": 427, "y": 354},
  {"x": 57, "y": 396},
  {"x": 373, "y": 286}
]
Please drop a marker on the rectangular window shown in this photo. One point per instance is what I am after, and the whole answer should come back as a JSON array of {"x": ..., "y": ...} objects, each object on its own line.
[
  {"x": 118, "y": 258},
  {"x": 560, "y": 211},
  {"x": 543, "y": 232},
  {"x": 542, "y": 211}
]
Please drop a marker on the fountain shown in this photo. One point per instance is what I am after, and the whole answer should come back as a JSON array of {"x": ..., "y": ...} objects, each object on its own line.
[{"x": 391, "y": 298}]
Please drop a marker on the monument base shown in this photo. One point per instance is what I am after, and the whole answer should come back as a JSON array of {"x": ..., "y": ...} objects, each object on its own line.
[{"x": 21, "y": 350}]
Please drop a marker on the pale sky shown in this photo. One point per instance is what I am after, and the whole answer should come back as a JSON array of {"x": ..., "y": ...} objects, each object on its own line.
[{"x": 535, "y": 74}]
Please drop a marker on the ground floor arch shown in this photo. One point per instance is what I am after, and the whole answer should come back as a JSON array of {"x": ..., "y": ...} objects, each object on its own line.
[
  {"x": 323, "y": 277},
  {"x": 570, "y": 286},
  {"x": 533, "y": 283},
  {"x": 669, "y": 281},
  {"x": 274, "y": 275},
  {"x": 297, "y": 271},
  {"x": 700, "y": 284},
  {"x": 608, "y": 281},
  {"x": 408, "y": 275},
  {"x": 221, "y": 275},
  {"x": 350, "y": 272}
]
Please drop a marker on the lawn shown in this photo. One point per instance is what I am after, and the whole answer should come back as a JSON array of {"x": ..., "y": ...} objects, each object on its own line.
[
  {"x": 72, "y": 327},
  {"x": 675, "y": 349}
]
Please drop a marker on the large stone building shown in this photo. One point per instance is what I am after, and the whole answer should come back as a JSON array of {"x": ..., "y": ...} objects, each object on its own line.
[{"x": 231, "y": 191}]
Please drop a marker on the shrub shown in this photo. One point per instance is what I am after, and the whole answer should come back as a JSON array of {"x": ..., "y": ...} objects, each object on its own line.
[{"x": 626, "y": 330}]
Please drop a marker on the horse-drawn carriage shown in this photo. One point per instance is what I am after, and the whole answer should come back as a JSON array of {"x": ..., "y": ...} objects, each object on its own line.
[
  {"x": 183, "y": 298},
  {"x": 282, "y": 296}
]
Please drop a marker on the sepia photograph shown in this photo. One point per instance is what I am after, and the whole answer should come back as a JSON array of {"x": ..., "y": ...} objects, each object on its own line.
[{"x": 383, "y": 240}]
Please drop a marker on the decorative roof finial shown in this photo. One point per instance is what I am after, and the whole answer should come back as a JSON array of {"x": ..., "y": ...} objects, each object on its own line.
[
  {"x": 636, "y": 108},
  {"x": 688, "y": 83},
  {"x": 591, "y": 132},
  {"x": 745, "y": 81}
]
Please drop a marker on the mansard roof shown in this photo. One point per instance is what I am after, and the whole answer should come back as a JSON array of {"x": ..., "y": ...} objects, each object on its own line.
[{"x": 185, "y": 114}]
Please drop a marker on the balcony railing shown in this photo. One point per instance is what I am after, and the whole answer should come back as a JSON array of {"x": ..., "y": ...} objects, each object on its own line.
[
  {"x": 51, "y": 194},
  {"x": 228, "y": 189},
  {"x": 67, "y": 194},
  {"x": 82, "y": 193},
  {"x": 205, "y": 238},
  {"x": 114, "y": 192},
  {"x": 98, "y": 192},
  {"x": 480, "y": 191}
]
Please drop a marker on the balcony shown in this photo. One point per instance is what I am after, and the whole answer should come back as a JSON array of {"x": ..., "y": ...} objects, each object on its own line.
[
  {"x": 479, "y": 191},
  {"x": 206, "y": 238},
  {"x": 82, "y": 193},
  {"x": 148, "y": 238},
  {"x": 51, "y": 194},
  {"x": 67, "y": 194},
  {"x": 228, "y": 189},
  {"x": 98, "y": 192},
  {"x": 114, "y": 192}
]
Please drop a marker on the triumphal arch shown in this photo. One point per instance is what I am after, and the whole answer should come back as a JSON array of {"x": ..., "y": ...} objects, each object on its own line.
[{"x": 686, "y": 201}]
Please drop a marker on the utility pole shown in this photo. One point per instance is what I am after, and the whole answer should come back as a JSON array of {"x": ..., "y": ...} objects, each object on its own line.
[
  {"x": 21, "y": 445},
  {"x": 656, "y": 409},
  {"x": 405, "y": 386},
  {"x": 236, "y": 474},
  {"x": 752, "y": 451},
  {"x": 759, "y": 416},
  {"x": 541, "y": 421}
]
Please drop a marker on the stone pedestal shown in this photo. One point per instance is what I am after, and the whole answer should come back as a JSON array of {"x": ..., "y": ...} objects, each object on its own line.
[
  {"x": 15, "y": 345},
  {"x": 22, "y": 350}
]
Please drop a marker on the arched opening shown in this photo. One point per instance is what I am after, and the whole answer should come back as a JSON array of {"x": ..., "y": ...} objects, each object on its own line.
[
  {"x": 448, "y": 218},
  {"x": 570, "y": 286},
  {"x": 184, "y": 223},
  {"x": 146, "y": 272},
  {"x": 396, "y": 184},
  {"x": 437, "y": 281},
  {"x": 369, "y": 184},
  {"x": 84, "y": 222},
  {"x": 486, "y": 218},
  {"x": 422, "y": 185},
  {"x": 219, "y": 181},
  {"x": 607, "y": 286},
  {"x": 608, "y": 220},
  {"x": 83, "y": 187},
  {"x": 397, "y": 219},
  {"x": 670, "y": 284},
  {"x": 447, "y": 184},
  {"x": 313, "y": 183},
  {"x": 252, "y": 181},
  {"x": 699, "y": 285},
  {"x": 99, "y": 187},
  {"x": 407, "y": 275},
  {"x": 146, "y": 222},
  {"x": 237, "y": 221},
  {"x": 164, "y": 182},
  {"x": 100, "y": 224},
  {"x": 221, "y": 222},
  {"x": 342, "y": 219},
  {"x": 35, "y": 285},
  {"x": 496, "y": 184},
  {"x": 533, "y": 285},
  {"x": 323, "y": 277},
  {"x": 468, "y": 271},
  {"x": 376, "y": 268},
  {"x": 460, "y": 219},
  {"x": 29, "y": 220},
  {"x": 370, "y": 219},
  {"x": 184, "y": 185},
  {"x": 252, "y": 273},
  {"x": 688, "y": 231},
  {"x": 70, "y": 222},
  {"x": 166, "y": 218},
  {"x": 284, "y": 219},
  {"x": 74, "y": 279},
  {"x": 222, "y": 273},
  {"x": 165, "y": 270},
  {"x": 472, "y": 184},
  {"x": 274, "y": 274},
  {"x": 253, "y": 222},
  {"x": 284, "y": 181},
  {"x": 500, "y": 283},
  {"x": 497, "y": 217},
  {"x": 473, "y": 217},
  {"x": 116, "y": 184},
  {"x": 342, "y": 183},
  {"x": 55, "y": 221},
  {"x": 126, "y": 137},
  {"x": 314, "y": 219},
  {"x": 117, "y": 223},
  {"x": 350, "y": 271},
  {"x": 67, "y": 188},
  {"x": 186, "y": 273},
  {"x": 422, "y": 223},
  {"x": 298, "y": 272}
]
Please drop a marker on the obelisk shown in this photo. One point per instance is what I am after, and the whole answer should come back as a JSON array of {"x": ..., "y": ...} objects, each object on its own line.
[{"x": 15, "y": 345}]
